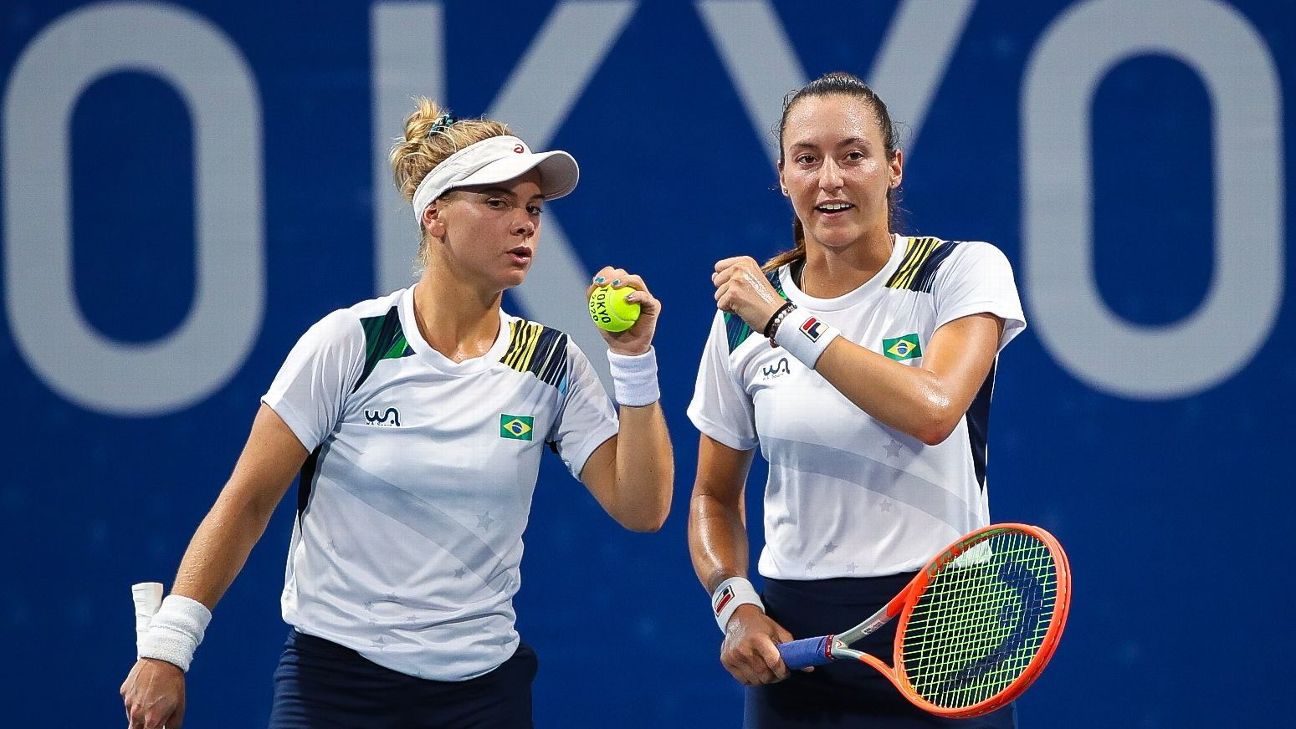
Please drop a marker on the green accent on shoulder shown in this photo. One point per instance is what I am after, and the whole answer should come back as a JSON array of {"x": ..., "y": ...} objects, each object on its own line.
[
  {"x": 373, "y": 331},
  {"x": 384, "y": 339},
  {"x": 777, "y": 281},
  {"x": 737, "y": 330},
  {"x": 399, "y": 348}
]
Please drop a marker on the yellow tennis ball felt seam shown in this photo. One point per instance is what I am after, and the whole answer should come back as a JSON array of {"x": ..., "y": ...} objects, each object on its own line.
[{"x": 609, "y": 309}]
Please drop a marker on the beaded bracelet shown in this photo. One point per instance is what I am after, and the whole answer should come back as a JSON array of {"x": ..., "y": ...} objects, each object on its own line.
[{"x": 772, "y": 325}]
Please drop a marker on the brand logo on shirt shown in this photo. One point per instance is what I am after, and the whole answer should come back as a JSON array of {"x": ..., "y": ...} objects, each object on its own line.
[
  {"x": 516, "y": 427},
  {"x": 778, "y": 369},
  {"x": 812, "y": 328},
  {"x": 390, "y": 416},
  {"x": 902, "y": 348}
]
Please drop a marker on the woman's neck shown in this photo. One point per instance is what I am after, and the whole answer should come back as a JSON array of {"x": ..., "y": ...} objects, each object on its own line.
[
  {"x": 829, "y": 272},
  {"x": 457, "y": 319}
]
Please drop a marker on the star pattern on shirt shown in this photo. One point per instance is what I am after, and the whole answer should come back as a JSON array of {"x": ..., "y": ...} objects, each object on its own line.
[
  {"x": 485, "y": 520},
  {"x": 893, "y": 448},
  {"x": 886, "y": 506},
  {"x": 851, "y": 567},
  {"x": 830, "y": 548},
  {"x": 461, "y": 572}
]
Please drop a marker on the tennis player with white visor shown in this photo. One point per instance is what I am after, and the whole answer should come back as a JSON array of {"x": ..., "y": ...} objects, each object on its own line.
[{"x": 416, "y": 421}]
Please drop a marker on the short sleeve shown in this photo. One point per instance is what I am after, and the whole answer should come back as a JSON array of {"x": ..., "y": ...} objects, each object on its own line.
[
  {"x": 587, "y": 418},
  {"x": 721, "y": 408},
  {"x": 979, "y": 280},
  {"x": 314, "y": 381}
]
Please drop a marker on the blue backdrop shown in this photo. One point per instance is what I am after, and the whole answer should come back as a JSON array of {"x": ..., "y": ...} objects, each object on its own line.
[{"x": 186, "y": 188}]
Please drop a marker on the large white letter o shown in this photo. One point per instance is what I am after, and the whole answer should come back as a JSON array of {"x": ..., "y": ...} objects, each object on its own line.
[
  {"x": 211, "y": 76},
  {"x": 1241, "y": 306}
]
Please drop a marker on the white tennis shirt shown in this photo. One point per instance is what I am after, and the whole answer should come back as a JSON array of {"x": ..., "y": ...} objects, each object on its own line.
[
  {"x": 414, "y": 498},
  {"x": 848, "y": 496}
]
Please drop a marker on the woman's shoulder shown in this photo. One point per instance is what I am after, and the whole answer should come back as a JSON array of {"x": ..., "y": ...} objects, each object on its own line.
[
  {"x": 968, "y": 255},
  {"x": 929, "y": 259},
  {"x": 928, "y": 245},
  {"x": 362, "y": 320},
  {"x": 539, "y": 349},
  {"x": 523, "y": 328},
  {"x": 380, "y": 306}
]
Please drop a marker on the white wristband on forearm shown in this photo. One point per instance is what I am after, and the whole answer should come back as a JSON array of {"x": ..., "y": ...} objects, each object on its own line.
[
  {"x": 804, "y": 336},
  {"x": 732, "y": 593},
  {"x": 634, "y": 378},
  {"x": 175, "y": 631}
]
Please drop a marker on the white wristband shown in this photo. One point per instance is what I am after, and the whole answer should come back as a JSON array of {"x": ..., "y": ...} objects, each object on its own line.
[
  {"x": 634, "y": 378},
  {"x": 804, "y": 336},
  {"x": 732, "y": 593},
  {"x": 175, "y": 631}
]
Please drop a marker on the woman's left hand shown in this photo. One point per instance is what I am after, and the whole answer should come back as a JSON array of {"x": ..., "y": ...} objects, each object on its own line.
[
  {"x": 743, "y": 289},
  {"x": 638, "y": 338}
]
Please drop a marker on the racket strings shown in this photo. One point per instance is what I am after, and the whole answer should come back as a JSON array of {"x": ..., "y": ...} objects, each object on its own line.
[
  {"x": 982, "y": 656},
  {"x": 967, "y": 655},
  {"x": 981, "y": 620}
]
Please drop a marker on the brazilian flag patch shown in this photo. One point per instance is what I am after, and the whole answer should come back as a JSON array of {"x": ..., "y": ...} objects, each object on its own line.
[
  {"x": 902, "y": 348},
  {"x": 516, "y": 427}
]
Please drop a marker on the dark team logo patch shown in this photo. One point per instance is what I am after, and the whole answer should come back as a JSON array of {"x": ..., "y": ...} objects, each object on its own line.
[{"x": 390, "y": 417}]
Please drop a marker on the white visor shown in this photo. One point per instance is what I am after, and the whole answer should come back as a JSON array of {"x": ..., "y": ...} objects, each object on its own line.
[{"x": 494, "y": 160}]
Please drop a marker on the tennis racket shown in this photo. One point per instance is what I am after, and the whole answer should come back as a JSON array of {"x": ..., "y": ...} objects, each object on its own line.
[{"x": 977, "y": 624}]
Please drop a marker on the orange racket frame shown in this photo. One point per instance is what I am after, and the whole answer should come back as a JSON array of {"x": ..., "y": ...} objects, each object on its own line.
[{"x": 825, "y": 649}]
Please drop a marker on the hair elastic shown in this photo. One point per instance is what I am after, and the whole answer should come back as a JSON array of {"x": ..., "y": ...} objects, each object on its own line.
[{"x": 440, "y": 124}]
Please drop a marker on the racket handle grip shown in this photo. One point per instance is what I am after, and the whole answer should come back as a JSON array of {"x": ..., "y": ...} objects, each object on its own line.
[{"x": 806, "y": 652}]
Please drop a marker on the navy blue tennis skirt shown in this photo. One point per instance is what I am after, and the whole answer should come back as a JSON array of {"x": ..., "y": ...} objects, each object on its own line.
[
  {"x": 321, "y": 685},
  {"x": 843, "y": 694}
]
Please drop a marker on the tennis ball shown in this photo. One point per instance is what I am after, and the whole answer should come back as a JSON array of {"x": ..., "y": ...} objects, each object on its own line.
[{"x": 609, "y": 309}]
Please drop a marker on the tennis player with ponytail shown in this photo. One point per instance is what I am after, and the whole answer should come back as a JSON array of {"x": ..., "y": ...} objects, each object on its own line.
[
  {"x": 416, "y": 421},
  {"x": 861, "y": 363}
]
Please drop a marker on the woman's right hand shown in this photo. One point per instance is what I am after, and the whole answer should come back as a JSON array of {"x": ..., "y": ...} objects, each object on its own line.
[
  {"x": 742, "y": 289},
  {"x": 154, "y": 694},
  {"x": 750, "y": 648}
]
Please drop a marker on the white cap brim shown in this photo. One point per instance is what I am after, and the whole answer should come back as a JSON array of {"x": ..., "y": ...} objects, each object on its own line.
[
  {"x": 495, "y": 160},
  {"x": 558, "y": 172}
]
